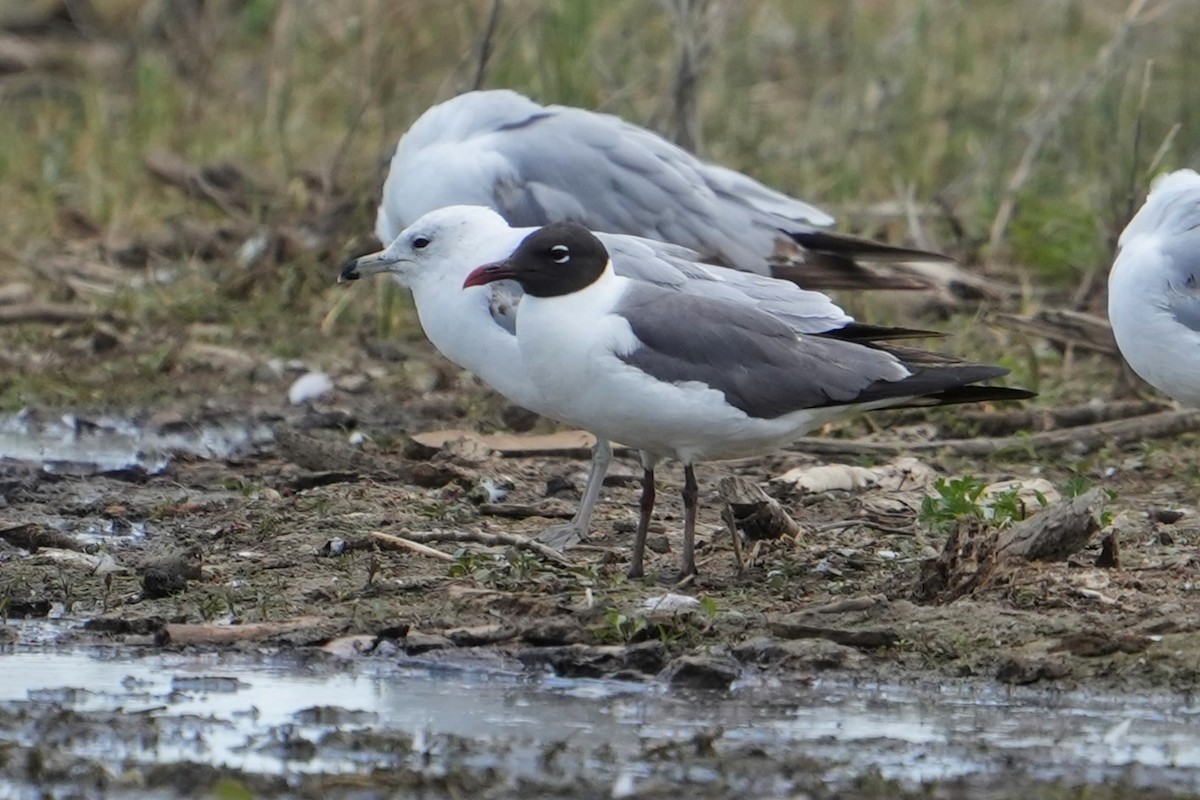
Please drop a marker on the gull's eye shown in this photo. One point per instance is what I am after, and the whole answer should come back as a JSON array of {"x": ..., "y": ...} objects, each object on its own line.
[
  {"x": 420, "y": 242},
  {"x": 560, "y": 253}
]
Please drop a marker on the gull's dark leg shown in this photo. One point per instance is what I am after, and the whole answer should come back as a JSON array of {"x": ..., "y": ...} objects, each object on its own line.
[
  {"x": 690, "y": 494},
  {"x": 646, "y": 508}
]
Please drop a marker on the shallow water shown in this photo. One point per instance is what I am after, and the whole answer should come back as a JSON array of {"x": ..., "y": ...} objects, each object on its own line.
[
  {"x": 71, "y": 445},
  {"x": 281, "y": 716}
]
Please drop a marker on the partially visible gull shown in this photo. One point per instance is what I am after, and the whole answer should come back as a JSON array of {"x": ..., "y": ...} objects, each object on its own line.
[
  {"x": 538, "y": 164},
  {"x": 691, "y": 377},
  {"x": 476, "y": 328},
  {"x": 1154, "y": 288}
]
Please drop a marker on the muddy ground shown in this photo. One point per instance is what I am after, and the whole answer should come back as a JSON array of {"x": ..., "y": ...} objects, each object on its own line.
[{"x": 270, "y": 549}]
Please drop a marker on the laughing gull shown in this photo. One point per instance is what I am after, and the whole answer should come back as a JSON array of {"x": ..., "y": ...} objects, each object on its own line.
[
  {"x": 1154, "y": 288},
  {"x": 476, "y": 328},
  {"x": 538, "y": 164},
  {"x": 690, "y": 377}
]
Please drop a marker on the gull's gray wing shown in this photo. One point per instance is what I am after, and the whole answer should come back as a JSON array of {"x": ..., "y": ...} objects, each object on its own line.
[
  {"x": 613, "y": 176},
  {"x": 540, "y": 164},
  {"x": 764, "y": 369},
  {"x": 1182, "y": 253},
  {"x": 679, "y": 268}
]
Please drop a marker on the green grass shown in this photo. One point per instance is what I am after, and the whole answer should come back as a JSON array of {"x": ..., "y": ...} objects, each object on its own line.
[{"x": 851, "y": 105}]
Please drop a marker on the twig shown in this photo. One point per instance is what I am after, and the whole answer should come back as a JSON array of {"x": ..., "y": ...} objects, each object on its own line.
[
  {"x": 392, "y": 542},
  {"x": 491, "y": 540},
  {"x": 49, "y": 313},
  {"x": 1000, "y": 423},
  {"x": 693, "y": 38},
  {"x": 1081, "y": 439},
  {"x": 865, "y": 603},
  {"x": 1048, "y": 121},
  {"x": 485, "y": 46}
]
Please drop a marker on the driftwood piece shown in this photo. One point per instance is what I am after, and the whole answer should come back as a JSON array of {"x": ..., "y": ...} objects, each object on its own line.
[
  {"x": 30, "y": 536},
  {"x": 192, "y": 634},
  {"x": 750, "y": 512},
  {"x": 753, "y": 512},
  {"x": 790, "y": 627},
  {"x": 1036, "y": 420},
  {"x": 975, "y": 557},
  {"x": 1080, "y": 440},
  {"x": 1068, "y": 328},
  {"x": 1057, "y": 532}
]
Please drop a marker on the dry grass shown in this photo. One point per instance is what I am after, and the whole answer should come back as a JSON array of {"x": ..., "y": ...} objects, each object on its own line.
[{"x": 910, "y": 120}]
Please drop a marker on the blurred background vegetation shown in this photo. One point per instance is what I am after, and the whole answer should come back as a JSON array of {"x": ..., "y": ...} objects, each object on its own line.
[{"x": 190, "y": 173}]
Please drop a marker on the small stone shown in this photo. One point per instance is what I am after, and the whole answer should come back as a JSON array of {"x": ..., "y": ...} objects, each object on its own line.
[
  {"x": 552, "y": 632},
  {"x": 1021, "y": 670},
  {"x": 1167, "y": 516},
  {"x": 658, "y": 544},
  {"x": 584, "y": 661},
  {"x": 517, "y": 419},
  {"x": 354, "y": 384},
  {"x": 417, "y": 642},
  {"x": 170, "y": 575},
  {"x": 703, "y": 672},
  {"x": 560, "y": 484},
  {"x": 802, "y": 655},
  {"x": 308, "y": 387}
]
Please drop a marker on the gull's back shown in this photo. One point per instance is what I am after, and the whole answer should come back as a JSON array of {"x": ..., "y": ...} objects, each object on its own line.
[{"x": 539, "y": 164}]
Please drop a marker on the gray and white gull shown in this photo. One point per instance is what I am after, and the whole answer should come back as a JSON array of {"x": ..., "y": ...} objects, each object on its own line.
[
  {"x": 1154, "y": 288},
  {"x": 692, "y": 377},
  {"x": 537, "y": 164},
  {"x": 476, "y": 328}
]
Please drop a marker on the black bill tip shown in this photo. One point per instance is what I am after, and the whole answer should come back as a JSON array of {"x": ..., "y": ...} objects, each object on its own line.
[{"x": 349, "y": 271}]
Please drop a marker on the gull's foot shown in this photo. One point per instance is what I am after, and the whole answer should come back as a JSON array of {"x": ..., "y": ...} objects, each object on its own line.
[{"x": 560, "y": 537}]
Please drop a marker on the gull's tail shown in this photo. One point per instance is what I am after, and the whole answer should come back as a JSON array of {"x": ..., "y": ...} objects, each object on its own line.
[{"x": 825, "y": 260}]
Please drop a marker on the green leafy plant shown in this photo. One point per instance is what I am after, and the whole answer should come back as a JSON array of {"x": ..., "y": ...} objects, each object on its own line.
[{"x": 965, "y": 498}]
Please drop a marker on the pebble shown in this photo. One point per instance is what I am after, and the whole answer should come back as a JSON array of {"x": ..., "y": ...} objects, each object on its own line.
[
  {"x": 703, "y": 672},
  {"x": 308, "y": 387}
]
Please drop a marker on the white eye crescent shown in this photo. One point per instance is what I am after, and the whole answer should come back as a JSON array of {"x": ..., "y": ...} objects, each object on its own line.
[{"x": 561, "y": 253}]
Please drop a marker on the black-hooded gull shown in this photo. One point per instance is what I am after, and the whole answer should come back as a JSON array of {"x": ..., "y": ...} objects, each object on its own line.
[
  {"x": 689, "y": 377},
  {"x": 538, "y": 164},
  {"x": 1154, "y": 288},
  {"x": 476, "y": 328}
]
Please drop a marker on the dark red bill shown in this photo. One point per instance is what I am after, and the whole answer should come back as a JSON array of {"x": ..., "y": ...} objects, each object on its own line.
[{"x": 489, "y": 273}]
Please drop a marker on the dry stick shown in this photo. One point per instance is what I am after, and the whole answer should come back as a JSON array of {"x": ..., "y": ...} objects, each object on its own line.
[
  {"x": 995, "y": 423},
  {"x": 1045, "y": 125},
  {"x": 693, "y": 43},
  {"x": 49, "y": 313},
  {"x": 393, "y": 542},
  {"x": 492, "y": 540},
  {"x": 1083, "y": 439},
  {"x": 485, "y": 46}
]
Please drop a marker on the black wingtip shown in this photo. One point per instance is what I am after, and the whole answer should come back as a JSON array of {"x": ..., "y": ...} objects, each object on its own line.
[{"x": 857, "y": 248}]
